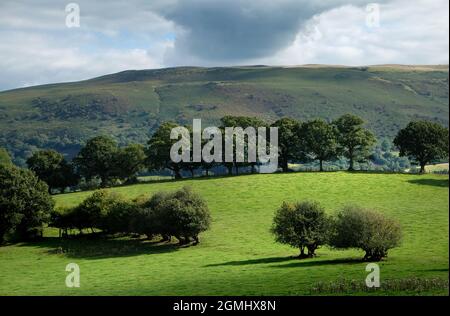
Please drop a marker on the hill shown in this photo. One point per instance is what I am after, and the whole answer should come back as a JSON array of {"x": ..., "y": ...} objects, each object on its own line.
[
  {"x": 130, "y": 104},
  {"x": 238, "y": 256}
]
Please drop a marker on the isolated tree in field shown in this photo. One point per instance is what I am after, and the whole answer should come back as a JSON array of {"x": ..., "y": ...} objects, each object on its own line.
[
  {"x": 97, "y": 159},
  {"x": 5, "y": 159},
  {"x": 129, "y": 161},
  {"x": 288, "y": 141},
  {"x": 51, "y": 167},
  {"x": 158, "y": 150},
  {"x": 423, "y": 141},
  {"x": 355, "y": 142},
  {"x": 25, "y": 204},
  {"x": 318, "y": 141},
  {"x": 355, "y": 227},
  {"x": 302, "y": 225}
]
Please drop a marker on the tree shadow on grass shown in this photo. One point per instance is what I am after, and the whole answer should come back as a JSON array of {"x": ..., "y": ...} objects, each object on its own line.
[
  {"x": 101, "y": 248},
  {"x": 443, "y": 183},
  {"x": 315, "y": 263},
  {"x": 295, "y": 262},
  {"x": 252, "y": 261}
]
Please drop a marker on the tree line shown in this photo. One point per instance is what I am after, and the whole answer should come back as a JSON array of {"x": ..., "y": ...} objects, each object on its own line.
[
  {"x": 316, "y": 140},
  {"x": 182, "y": 214}
]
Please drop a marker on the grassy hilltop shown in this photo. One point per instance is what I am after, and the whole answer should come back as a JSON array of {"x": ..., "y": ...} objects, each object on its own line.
[
  {"x": 131, "y": 104},
  {"x": 238, "y": 256}
]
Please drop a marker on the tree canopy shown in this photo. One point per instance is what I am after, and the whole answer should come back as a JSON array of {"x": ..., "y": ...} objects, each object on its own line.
[
  {"x": 423, "y": 141},
  {"x": 355, "y": 142}
]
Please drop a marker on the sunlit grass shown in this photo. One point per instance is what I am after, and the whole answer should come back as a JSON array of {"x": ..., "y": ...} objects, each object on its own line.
[{"x": 238, "y": 256}]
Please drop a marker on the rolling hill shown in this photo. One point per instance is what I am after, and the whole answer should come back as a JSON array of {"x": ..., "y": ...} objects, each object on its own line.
[{"x": 129, "y": 105}]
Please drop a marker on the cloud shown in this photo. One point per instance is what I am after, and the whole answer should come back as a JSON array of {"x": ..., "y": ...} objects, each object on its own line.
[
  {"x": 231, "y": 31},
  {"x": 409, "y": 33},
  {"x": 36, "y": 47}
]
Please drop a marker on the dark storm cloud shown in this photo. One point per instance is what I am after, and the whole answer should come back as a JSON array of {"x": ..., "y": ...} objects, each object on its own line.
[{"x": 234, "y": 30}]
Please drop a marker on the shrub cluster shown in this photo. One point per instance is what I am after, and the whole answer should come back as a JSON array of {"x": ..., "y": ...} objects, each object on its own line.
[
  {"x": 306, "y": 226},
  {"x": 182, "y": 214}
]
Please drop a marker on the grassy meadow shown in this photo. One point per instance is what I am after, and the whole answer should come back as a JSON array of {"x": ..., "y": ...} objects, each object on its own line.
[{"x": 238, "y": 255}]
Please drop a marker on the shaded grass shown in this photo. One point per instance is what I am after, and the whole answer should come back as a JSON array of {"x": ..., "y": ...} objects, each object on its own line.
[{"x": 238, "y": 256}]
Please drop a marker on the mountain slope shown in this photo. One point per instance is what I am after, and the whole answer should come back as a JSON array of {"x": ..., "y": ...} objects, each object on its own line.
[{"x": 131, "y": 104}]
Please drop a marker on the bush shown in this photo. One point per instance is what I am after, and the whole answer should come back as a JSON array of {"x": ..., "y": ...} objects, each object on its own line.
[
  {"x": 25, "y": 204},
  {"x": 302, "y": 225},
  {"x": 150, "y": 217},
  {"x": 119, "y": 216},
  {"x": 182, "y": 214},
  {"x": 355, "y": 227},
  {"x": 93, "y": 211}
]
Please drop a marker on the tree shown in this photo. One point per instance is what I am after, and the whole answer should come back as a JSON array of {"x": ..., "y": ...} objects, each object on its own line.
[
  {"x": 97, "y": 159},
  {"x": 93, "y": 211},
  {"x": 354, "y": 141},
  {"x": 183, "y": 214},
  {"x": 129, "y": 161},
  {"x": 288, "y": 141},
  {"x": 149, "y": 219},
  {"x": 51, "y": 167},
  {"x": 158, "y": 150},
  {"x": 5, "y": 159},
  {"x": 318, "y": 141},
  {"x": 302, "y": 225},
  {"x": 25, "y": 204},
  {"x": 423, "y": 141},
  {"x": 242, "y": 122},
  {"x": 119, "y": 216},
  {"x": 355, "y": 227}
]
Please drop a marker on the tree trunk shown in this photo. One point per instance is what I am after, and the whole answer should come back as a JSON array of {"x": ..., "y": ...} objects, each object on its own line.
[
  {"x": 351, "y": 168},
  {"x": 284, "y": 165},
  {"x": 422, "y": 167},
  {"x": 177, "y": 173},
  {"x": 196, "y": 240},
  {"x": 236, "y": 168},
  {"x": 230, "y": 170},
  {"x": 321, "y": 165}
]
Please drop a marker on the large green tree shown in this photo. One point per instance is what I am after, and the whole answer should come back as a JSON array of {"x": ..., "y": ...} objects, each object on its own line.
[
  {"x": 25, "y": 204},
  {"x": 158, "y": 150},
  {"x": 288, "y": 141},
  {"x": 302, "y": 225},
  {"x": 51, "y": 167},
  {"x": 97, "y": 159},
  {"x": 319, "y": 141},
  {"x": 129, "y": 161},
  {"x": 423, "y": 141},
  {"x": 355, "y": 142}
]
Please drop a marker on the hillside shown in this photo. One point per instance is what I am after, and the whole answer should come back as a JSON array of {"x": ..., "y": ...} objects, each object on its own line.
[
  {"x": 239, "y": 256},
  {"x": 130, "y": 104}
]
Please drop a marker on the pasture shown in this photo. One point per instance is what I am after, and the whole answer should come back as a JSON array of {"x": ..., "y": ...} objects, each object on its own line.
[{"x": 238, "y": 255}]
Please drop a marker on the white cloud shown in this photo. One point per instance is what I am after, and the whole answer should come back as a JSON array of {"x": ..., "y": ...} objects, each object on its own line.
[{"x": 409, "y": 33}]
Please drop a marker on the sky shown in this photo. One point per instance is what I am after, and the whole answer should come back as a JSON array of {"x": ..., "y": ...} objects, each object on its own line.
[{"x": 47, "y": 41}]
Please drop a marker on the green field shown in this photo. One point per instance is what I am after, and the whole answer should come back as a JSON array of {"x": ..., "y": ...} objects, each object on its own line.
[{"x": 238, "y": 256}]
